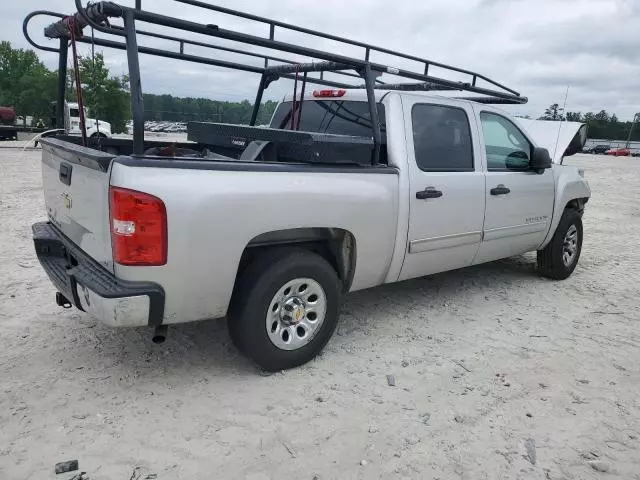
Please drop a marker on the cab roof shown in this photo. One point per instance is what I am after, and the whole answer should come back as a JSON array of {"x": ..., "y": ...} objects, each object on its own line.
[{"x": 360, "y": 95}]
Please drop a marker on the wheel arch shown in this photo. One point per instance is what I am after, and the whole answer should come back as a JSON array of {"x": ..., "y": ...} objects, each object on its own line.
[
  {"x": 577, "y": 204},
  {"x": 336, "y": 245},
  {"x": 572, "y": 191}
]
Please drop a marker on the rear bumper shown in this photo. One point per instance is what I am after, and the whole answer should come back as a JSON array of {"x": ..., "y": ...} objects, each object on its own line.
[{"x": 92, "y": 288}]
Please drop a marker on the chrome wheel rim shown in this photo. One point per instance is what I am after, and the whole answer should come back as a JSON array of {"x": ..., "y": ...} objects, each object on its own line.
[
  {"x": 296, "y": 313},
  {"x": 570, "y": 246}
]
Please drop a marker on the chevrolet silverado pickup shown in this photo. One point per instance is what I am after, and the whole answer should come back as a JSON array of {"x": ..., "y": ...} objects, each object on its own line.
[{"x": 271, "y": 227}]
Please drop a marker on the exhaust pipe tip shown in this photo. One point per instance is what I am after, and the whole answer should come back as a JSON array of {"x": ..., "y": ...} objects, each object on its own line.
[
  {"x": 159, "y": 334},
  {"x": 62, "y": 301}
]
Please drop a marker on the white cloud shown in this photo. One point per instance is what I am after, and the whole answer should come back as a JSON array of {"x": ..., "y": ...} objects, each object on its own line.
[{"x": 538, "y": 47}]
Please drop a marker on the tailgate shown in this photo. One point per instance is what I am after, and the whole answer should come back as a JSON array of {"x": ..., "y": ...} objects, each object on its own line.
[{"x": 75, "y": 181}]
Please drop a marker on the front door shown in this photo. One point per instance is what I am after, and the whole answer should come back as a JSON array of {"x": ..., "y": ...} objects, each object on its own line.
[
  {"x": 519, "y": 204},
  {"x": 447, "y": 187}
]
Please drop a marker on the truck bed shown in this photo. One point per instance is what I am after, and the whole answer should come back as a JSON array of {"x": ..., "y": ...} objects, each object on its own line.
[
  {"x": 227, "y": 142},
  {"x": 215, "y": 209},
  {"x": 124, "y": 146}
]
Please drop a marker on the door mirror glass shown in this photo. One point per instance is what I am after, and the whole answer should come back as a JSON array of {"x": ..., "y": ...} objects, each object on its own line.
[
  {"x": 540, "y": 159},
  {"x": 517, "y": 160}
]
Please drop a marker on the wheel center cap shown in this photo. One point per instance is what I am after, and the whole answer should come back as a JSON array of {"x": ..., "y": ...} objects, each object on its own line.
[{"x": 293, "y": 311}]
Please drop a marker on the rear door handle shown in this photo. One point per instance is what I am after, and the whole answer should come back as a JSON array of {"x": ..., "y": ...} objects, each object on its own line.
[
  {"x": 65, "y": 173},
  {"x": 428, "y": 192},
  {"x": 500, "y": 190}
]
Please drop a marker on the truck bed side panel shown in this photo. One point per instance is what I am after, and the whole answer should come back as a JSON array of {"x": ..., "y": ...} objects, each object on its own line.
[{"x": 214, "y": 213}]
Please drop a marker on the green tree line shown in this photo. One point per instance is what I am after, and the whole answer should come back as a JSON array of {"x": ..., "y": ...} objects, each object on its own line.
[
  {"x": 600, "y": 124},
  {"x": 177, "y": 109},
  {"x": 25, "y": 83},
  {"x": 30, "y": 87}
]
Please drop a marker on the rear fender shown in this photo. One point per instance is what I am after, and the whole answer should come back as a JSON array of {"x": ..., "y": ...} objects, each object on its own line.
[{"x": 337, "y": 245}]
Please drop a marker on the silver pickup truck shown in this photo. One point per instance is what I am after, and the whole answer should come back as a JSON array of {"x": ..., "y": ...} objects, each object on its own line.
[{"x": 174, "y": 235}]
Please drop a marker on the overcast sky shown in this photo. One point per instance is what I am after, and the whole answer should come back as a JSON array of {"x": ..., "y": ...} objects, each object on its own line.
[{"x": 537, "y": 47}]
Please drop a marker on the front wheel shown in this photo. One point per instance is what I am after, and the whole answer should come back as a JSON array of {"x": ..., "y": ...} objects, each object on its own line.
[
  {"x": 559, "y": 258},
  {"x": 285, "y": 308}
]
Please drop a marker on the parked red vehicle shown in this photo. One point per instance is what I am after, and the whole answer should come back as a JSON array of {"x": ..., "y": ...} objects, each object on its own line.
[
  {"x": 8, "y": 130},
  {"x": 619, "y": 152},
  {"x": 7, "y": 115}
]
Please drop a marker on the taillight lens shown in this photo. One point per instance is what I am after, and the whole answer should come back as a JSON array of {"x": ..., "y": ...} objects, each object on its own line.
[
  {"x": 329, "y": 93},
  {"x": 138, "y": 228}
]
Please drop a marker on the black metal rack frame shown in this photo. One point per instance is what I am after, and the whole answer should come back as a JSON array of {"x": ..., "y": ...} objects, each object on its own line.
[{"x": 97, "y": 16}]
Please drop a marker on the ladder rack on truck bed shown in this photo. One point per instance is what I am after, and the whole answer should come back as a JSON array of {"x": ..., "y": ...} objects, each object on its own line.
[{"x": 97, "y": 16}]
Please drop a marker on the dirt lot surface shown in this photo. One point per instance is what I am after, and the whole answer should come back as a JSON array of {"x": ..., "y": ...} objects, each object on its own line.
[{"x": 499, "y": 374}]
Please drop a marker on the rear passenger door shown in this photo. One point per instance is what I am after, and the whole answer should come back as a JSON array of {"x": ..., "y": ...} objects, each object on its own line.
[{"x": 447, "y": 186}]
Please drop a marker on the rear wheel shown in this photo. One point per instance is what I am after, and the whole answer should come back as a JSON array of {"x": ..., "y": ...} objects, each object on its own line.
[
  {"x": 559, "y": 258},
  {"x": 285, "y": 308}
]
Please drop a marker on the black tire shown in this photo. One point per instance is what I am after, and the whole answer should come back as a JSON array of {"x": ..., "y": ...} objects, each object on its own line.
[
  {"x": 550, "y": 258},
  {"x": 253, "y": 295}
]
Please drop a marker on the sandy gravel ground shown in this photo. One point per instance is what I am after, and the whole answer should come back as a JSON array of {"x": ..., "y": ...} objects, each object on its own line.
[{"x": 499, "y": 374}]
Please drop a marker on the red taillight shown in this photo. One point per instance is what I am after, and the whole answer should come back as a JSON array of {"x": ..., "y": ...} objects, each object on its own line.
[
  {"x": 138, "y": 228},
  {"x": 329, "y": 93}
]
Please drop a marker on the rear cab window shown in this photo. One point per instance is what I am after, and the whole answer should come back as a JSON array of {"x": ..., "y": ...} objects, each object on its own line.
[
  {"x": 441, "y": 138},
  {"x": 341, "y": 117}
]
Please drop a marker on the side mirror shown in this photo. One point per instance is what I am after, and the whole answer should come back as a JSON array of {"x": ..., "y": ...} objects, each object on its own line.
[
  {"x": 518, "y": 161},
  {"x": 540, "y": 159}
]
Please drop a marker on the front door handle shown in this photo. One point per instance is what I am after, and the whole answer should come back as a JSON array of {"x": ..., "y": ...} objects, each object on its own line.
[
  {"x": 428, "y": 192},
  {"x": 499, "y": 190}
]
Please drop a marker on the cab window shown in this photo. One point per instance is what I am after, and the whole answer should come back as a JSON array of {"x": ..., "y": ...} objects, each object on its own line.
[
  {"x": 505, "y": 145},
  {"x": 441, "y": 138}
]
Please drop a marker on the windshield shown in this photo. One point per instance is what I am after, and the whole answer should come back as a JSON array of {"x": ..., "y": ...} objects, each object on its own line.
[{"x": 331, "y": 116}]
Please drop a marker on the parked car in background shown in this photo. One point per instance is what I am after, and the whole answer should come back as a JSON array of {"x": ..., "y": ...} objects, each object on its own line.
[
  {"x": 11, "y": 124},
  {"x": 7, "y": 121},
  {"x": 95, "y": 128},
  {"x": 598, "y": 149},
  {"x": 619, "y": 152},
  {"x": 7, "y": 115},
  {"x": 168, "y": 127}
]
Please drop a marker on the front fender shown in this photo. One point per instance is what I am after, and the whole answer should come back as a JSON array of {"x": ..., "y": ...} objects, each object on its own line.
[{"x": 570, "y": 185}]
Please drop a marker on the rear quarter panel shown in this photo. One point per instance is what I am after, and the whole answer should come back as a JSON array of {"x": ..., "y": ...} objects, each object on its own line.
[{"x": 212, "y": 215}]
